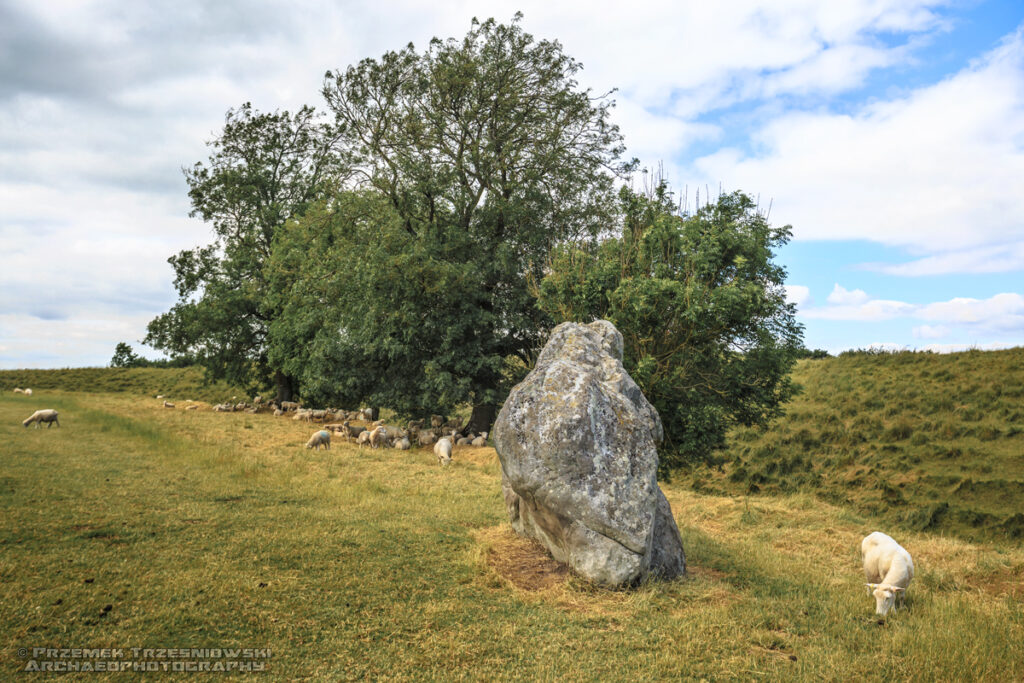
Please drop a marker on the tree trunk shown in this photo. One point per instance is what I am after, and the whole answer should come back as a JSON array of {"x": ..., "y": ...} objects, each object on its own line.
[
  {"x": 284, "y": 386},
  {"x": 482, "y": 418}
]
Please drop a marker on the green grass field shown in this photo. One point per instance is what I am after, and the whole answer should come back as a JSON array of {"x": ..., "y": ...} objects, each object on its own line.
[{"x": 137, "y": 526}]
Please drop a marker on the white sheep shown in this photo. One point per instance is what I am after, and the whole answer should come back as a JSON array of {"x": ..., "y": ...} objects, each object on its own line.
[
  {"x": 888, "y": 569},
  {"x": 192, "y": 407},
  {"x": 403, "y": 444},
  {"x": 19, "y": 390},
  {"x": 320, "y": 438},
  {"x": 481, "y": 440},
  {"x": 443, "y": 450},
  {"x": 287, "y": 406},
  {"x": 49, "y": 416},
  {"x": 168, "y": 404},
  {"x": 377, "y": 436},
  {"x": 28, "y": 392},
  {"x": 364, "y": 437},
  {"x": 466, "y": 440}
]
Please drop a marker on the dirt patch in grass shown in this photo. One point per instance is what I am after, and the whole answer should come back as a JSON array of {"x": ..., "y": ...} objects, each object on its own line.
[{"x": 521, "y": 562}]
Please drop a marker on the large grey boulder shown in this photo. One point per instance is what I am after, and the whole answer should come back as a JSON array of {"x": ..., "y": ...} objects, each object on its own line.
[{"x": 577, "y": 441}]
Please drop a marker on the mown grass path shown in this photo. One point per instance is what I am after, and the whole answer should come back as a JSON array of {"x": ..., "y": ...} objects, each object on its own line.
[{"x": 136, "y": 526}]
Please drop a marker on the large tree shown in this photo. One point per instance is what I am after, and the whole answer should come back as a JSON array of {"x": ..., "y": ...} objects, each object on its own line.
[
  {"x": 699, "y": 300},
  {"x": 488, "y": 154},
  {"x": 265, "y": 169}
]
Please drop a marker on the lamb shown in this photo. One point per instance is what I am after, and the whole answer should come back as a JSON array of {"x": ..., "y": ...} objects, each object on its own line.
[
  {"x": 49, "y": 416},
  {"x": 888, "y": 568},
  {"x": 481, "y": 440},
  {"x": 443, "y": 451},
  {"x": 377, "y": 436},
  {"x": 320, "y": 438}
]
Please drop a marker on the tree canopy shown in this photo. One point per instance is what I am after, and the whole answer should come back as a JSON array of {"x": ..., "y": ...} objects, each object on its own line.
[
  {"x": 708, "y": 334},
  {"x": 487, "y": 154},
  {"x": 265, "y": 169},
  {"x": 414, "y": 251}
]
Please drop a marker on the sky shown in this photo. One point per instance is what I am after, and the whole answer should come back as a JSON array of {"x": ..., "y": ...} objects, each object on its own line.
[{"x": 889, "y": 134}]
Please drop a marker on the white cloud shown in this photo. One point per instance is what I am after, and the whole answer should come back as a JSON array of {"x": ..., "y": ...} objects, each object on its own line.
[
  {"x": 799, "y": 295},
  {"x": 930, "y": 332},
  {"x": 998, "y": 315},
  {"x": 997, "y": 259},
  {"x": 937, "y": 170},
  {"x": 841, "y": 296}
]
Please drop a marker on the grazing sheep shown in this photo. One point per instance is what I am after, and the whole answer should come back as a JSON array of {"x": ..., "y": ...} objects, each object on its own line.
[
  {"x": 288, "y": 406},
  {"x": 888, "y": 568},
  {"x": 49, "y": 416},
  {"x": 168, "y": 404},
  {"x": 320, "y": 438},
  {"x": 443, "y": 451},
  {"x": 19, "y": 390},
  {"x": 28, "y": 392}
]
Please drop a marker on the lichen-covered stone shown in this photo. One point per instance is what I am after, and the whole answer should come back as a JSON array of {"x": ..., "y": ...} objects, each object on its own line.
[{"x": 577, "y": 441}]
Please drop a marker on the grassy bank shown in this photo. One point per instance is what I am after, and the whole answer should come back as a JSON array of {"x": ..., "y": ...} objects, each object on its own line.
[
  {"x": 177, "y": 383},
  {"x": 136, "y": 526},
  {"x": 924, "y": 442}
]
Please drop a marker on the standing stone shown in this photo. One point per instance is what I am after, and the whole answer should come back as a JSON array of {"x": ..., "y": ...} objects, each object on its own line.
[{"x": 577, "y": 441}]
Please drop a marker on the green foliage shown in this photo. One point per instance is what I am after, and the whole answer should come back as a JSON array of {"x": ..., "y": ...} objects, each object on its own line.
[
  {"x": 124, "y": 357},
  {"x": 708, "y": 334},
  {"x": 474, "y": 159},
  {"x": 264, "y": 170}
]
